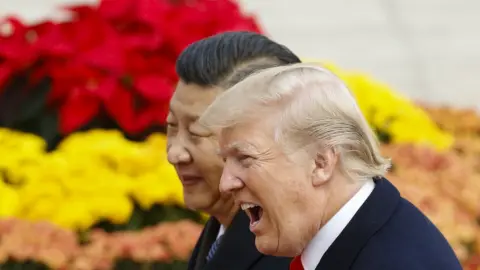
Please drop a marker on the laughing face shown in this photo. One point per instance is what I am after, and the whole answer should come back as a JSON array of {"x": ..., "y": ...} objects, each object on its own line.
[{"x": 272, "y": 187}]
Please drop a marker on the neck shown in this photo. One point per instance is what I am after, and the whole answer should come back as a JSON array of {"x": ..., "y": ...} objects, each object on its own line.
[
  {"x": 339, "y": 193},
  {"x": 226, "y": 220},
  {"x": 224, "y": 211}
]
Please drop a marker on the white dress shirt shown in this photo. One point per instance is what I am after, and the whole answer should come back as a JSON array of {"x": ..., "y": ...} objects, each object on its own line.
[
  {"x": 317, "y": 247},
  {"x": 221, "y": 231}
]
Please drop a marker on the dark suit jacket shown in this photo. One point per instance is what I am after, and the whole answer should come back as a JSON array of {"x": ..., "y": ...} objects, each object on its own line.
[
  {"x": 389, "y": 233},
  {"x": 237, "y": 249}
]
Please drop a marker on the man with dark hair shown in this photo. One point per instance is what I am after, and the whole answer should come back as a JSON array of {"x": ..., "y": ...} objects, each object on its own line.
[
  {"x": 211, "y": 61},
  {"x": 206, "y": 69}
]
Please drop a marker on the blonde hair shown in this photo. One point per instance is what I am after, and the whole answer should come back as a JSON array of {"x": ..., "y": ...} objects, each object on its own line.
[{"x": 315, "y": 112}]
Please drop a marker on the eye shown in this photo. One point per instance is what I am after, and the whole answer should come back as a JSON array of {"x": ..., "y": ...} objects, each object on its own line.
[
  {"x": 171, "y": 129},
  {"x": 171, "y": 120},
  {"x": 197, "y": 131},
  {"x": 245, "y": 160},
  {"x": 195, "y": 135}
]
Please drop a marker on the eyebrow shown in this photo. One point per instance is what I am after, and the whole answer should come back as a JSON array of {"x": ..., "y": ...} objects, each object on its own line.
[
  {"x": 236, "y": 147},
  {"x": 190, "y": 116}
]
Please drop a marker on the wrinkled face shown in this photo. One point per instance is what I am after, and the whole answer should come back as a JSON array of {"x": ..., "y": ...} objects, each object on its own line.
[
  {"x": 273, "y": 187},
  {"x": 192, "y": 148}
]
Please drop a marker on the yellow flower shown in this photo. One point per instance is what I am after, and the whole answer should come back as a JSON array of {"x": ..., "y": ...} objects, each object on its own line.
[
  {"x": 73, "y": 214},
  {"x": 42, "y": 208},
  {"x": 21, "y": 142},
  {"x": 9, "y": 200},
  {"x": 159, "y": 187},
  {"x": 91, "y": 176},
  {"x": 117, "y": 209}
]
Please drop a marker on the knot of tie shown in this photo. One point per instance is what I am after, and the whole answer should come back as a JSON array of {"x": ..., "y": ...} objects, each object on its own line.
[
  {"x": 296, "y": 263},
  {"x": 214, "y": 248}
]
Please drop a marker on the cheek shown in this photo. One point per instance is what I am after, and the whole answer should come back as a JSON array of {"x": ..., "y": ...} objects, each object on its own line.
[
  {"x": 207, "y": 160},
  {"x": 282, "y": 192},
  {"x": 205, "y": 151},
  {"x": 274, "y": 193},
  {"x": 285, "y": 184}
]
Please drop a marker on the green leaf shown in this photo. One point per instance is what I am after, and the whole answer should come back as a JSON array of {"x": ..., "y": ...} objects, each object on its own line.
[
  {"x": 136, "y": 220},
  {"x": 35, "y": 101},
  {"x": 25, "y": 265},
  {"x": 48, "y": 129},
  {"x": 11, "y": 99},
  {"x": 383, "y": 136}
]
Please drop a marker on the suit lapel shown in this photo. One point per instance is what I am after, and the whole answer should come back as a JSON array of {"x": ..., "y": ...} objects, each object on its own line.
[
  {"x": 373, "y": 214},
  {"x": 194, "y": 256},
  {"x": 237, "y": 250},
  {"x": 209, "y": 235}
]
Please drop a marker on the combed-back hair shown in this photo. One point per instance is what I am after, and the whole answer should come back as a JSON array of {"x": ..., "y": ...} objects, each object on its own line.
[{"x": 225, "y": 59}]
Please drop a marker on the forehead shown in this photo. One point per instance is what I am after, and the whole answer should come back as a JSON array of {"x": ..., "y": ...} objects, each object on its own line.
[
  {"x": 250, "y": 137},
  {"x": 192, "y": 99}
]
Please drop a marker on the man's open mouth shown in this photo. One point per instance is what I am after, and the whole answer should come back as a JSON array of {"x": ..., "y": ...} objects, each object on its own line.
[{"x": 253, "y": 211}]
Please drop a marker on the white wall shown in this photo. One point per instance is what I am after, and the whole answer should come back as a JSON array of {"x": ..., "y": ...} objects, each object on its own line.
[{"x": 427, "y": 49}]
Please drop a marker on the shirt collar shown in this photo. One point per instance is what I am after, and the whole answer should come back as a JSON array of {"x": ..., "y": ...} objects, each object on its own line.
[
  {"x": 221, "y": 231},
  {"x": 317, "y": 247}
]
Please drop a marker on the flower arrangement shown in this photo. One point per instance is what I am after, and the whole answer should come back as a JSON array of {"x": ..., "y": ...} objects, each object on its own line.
[
  {"x": 447, "y": 119},
  {"x": 46, "y": 246},
  {"x": 107, "y": 66},
  {"x": 92, "y": 176}
]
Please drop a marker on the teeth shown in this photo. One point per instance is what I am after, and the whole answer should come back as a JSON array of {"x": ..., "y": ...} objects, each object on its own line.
[{"x": 246, "y": 206}]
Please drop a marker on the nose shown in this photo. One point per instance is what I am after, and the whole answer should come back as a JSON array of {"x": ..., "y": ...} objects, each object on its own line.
[
  {"x": 229, "y": 182},
  {"x": 177, "y": 153}
]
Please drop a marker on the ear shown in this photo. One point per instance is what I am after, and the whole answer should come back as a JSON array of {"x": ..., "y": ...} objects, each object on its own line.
[{"x": 325, "y": 163}]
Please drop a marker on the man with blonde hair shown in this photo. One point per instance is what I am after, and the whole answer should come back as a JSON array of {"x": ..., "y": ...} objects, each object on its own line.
[{"x": 304, "y": 165}]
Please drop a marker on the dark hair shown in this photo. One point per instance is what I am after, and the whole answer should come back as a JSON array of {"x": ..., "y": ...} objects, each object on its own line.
[{"x": 227, "y": 58}]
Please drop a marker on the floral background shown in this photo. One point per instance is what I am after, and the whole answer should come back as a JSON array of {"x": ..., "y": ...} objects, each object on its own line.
[{"x": 84, "y": 180}]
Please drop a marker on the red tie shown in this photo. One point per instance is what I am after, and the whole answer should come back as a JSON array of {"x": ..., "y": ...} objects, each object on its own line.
[{"x": 296, "y": 263}]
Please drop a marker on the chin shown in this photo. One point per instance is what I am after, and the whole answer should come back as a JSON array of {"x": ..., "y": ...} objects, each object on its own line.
[
  {"x": 272, "y": 248},
  {"x": 196, "y": 203},
  {"x": 267, "y": 245},
  {"x": 264, "y": 249}
]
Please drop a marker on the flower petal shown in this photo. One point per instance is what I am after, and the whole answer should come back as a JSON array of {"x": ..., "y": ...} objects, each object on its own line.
[
  {"x": 154, "y": 87},
  {"x": 80, "y": 107},
  {"x": 114, "y": 9}
]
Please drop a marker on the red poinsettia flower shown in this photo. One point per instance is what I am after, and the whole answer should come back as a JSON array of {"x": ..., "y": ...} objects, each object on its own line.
[
  {"x": 82, "y": 57},
  {"x": 204, "y": 18},
  {"x": 80, "y": 107},
  {"x": 135, "y": 113},
  {"x": 16, "y": 51},
  {"x": 87, "y": 38},
  {"x": 89, "y": 57}
]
